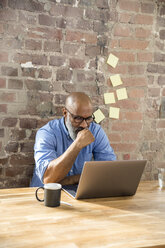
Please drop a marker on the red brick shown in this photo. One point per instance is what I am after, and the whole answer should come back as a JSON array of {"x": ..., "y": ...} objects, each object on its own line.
[
  {"x": 20, "y": 159},
  {"x": 28, "y": 5},
  {"x": 159, "y": 57},
  {"x": 37, "y": 85},
  {"x": 99, "y": 27},
  {"x": 133, "y": 116},
  {"x": 129, "y": 5},
  {"x": 114, "y": 137},
  {"x": 42, "y": 122},
  {"x": 135, "y": 81},
  {"x": 2, "y": 83},
  {"x": 122, "y": 31},
  {"x": 57, "y": 60},
  {"x": 92, "y": 51},
  {"x": 60, "y": 22},
  {"x": 7, "y": 15},
  {"x": 34, "y": 58},
  {"x": 12, "y": 147},
  {"x": 13, "y": 172},
  {"x": 103, "y": 4},
  {"x": 120, "y": 69},
  {"x": 124, "y": 147},
  {"x": 2, "y": 132},
  {"x": 86, "y": 77},
  {"x": 73, "y": 49},
  {"x": 143, "y": 19},
  {"x": 46, "y": 97},
  {"x": 45, "y": 33},
  {"x": 125, "y": 56},
  {"x": 43, "y": 73},
  {"x": 46, "y": 20},
  {"x": 136, "y": 93},
  {"x": 154, "y": 92},
  {"x": 145, "y": 57},
  {"x": 9, "y": 71},
  {"x": 133, "y": 44},
  {"x": 3, "y": 57},
  {"x": 130, "y": 136},
  {"x": 3, "y": 108},
  {"x": 33, "y": 45},
  {"x": 1, "y": 28},
  {"x": 114, "y": 44},
  {"x": 52, "y": 46},
  {"x": 81, "y": 37},
  {"x": 7, "y": 97},
  {"x": 28, "y": 72},
  {"x": 100, "y": 15},
  {"x": 15, "y": 84},
  {"x": 27, "y": 147},
  {"x": 142, "y": 33},
  {"x": 136, "y": 69},
  {"x": 9, "y": 122},
  {"x": 17, "y": 134},
  {"x": 28, "y": 123},
  {"x": 26, "y": 17},
  {"x": 128, "y": 104},
  {"x": 147, "y": 8},
  {"x": 163, "y": 92},
  {"x": 125, "y": 17},
  {"x": 66, "y": 11},
  {"x": 63, "y": 74},
  {"x": 13, "y": 44},
  {"x": 76, "y": 63},
  {"x": 127, "y": 126}
]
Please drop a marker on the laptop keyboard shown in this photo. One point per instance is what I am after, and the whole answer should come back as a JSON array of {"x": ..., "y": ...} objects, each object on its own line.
[{"x": 71, "y": 189}]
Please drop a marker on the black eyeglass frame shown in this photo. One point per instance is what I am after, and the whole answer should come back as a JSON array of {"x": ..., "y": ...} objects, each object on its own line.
[{"x": 79, "y": 119}]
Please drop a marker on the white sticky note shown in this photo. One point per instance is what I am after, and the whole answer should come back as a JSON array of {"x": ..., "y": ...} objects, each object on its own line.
[
  {"x": 116, "y": 80},
  {"x": 112, "y": 60},
  {"x": 109, "y": 98},
  {"x": 99, "y": 116},
  {"x": 114, "y": 112},
  {"x": 121, "y": 94}
]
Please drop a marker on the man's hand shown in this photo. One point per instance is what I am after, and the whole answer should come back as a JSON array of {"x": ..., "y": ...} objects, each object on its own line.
[{"x": 84, "y": 138}]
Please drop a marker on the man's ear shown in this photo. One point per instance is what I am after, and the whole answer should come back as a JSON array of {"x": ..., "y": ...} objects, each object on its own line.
[{"x": 64, "y": 112}]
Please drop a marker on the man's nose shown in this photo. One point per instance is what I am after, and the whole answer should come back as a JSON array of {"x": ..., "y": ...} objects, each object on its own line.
[{"x": 84, "y": 124}]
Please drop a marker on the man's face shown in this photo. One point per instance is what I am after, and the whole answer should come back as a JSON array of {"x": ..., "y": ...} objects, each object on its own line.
[
  {"x": 73, "y": 126},
  {"x": 73, "y": 130}
]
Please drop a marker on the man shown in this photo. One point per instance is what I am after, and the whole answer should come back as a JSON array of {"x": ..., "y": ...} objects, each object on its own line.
[{"x": 62, "y": 146}]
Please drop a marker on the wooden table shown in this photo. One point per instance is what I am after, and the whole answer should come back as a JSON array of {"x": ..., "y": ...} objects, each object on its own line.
[{"x": 126, "y": 222}]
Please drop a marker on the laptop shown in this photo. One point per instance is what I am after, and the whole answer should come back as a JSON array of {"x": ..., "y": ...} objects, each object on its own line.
[{"x": 107, "y": 179}]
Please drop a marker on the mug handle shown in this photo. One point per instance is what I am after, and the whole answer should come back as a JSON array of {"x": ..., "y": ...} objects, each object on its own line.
[{"x": 41, "y": 200}]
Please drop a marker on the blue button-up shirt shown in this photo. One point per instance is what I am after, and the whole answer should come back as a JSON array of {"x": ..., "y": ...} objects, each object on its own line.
[{"x": 53, "y": 139}]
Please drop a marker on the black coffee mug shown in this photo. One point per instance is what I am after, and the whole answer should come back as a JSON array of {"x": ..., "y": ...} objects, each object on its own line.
[{"x": 52, "y": 194}]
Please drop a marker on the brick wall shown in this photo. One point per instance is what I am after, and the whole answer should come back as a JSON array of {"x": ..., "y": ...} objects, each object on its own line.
[{"x": 50, "y": 48}]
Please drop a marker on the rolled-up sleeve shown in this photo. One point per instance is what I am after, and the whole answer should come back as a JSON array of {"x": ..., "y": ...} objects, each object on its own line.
[{"x": 44, "y": 151}]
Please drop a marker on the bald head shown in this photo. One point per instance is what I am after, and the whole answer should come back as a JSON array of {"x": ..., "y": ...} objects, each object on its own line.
[{"x": 78, "y": 102}]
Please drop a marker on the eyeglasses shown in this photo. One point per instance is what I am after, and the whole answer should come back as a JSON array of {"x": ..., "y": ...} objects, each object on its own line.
[{"x": 78, "y": 119}]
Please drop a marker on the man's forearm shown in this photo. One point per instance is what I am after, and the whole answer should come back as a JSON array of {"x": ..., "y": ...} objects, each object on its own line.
[
  {"x": 58, "y": 168},
  {"x": 70, "y": 180}
]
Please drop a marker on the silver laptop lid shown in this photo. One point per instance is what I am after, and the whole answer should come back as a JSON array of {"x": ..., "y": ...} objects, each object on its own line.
[{"x": 110, "y": 178}]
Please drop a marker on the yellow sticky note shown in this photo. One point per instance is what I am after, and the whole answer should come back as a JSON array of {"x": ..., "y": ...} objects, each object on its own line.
[
  {"x": 121, "y": 94},
  {"x": 112, "y": 60},
  {"x": 109, "y": 98},
  {"x": 99, "y": 116},
  {"x": 114, "y": 112},
  {"x": 116, "y": 80}
]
